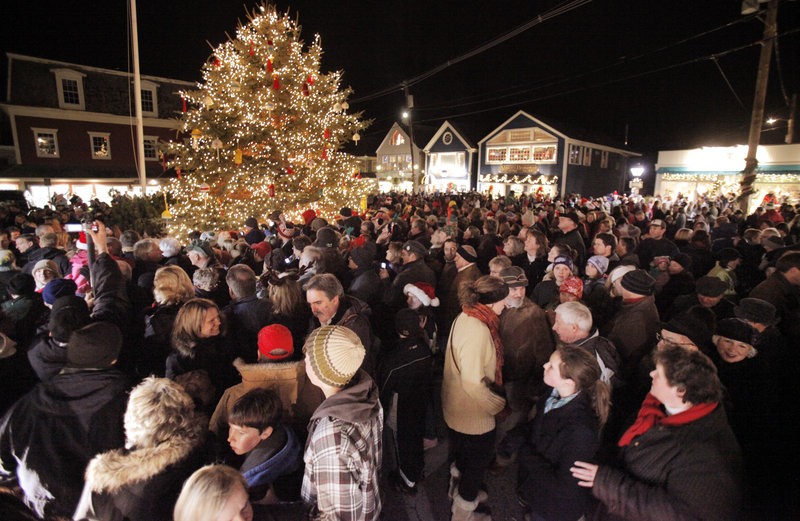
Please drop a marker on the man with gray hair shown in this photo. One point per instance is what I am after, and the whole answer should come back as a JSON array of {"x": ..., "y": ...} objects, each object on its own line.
[
  {"x": 48, "y": 250},
  {"x": 573, "y": 325},
  {"x": 331, "y": 307},
  {"x": 246, "y": 314}
]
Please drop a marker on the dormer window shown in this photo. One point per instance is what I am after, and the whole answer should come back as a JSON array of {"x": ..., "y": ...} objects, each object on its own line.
[
  {"x": 398, "y": 139},
  {"x": 69, "y": 84}
]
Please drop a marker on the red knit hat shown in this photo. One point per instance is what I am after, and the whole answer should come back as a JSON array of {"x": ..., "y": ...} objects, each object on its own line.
[
  {"x": 424, "y": 293},
  {"x": 275, "y": 342},
  {"x": 573, "y": 286}
]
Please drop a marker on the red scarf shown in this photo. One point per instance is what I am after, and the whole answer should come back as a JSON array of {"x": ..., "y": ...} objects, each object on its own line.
[
  {"x": 651, "y": 415},
  {"x": 483, "y": 313}
]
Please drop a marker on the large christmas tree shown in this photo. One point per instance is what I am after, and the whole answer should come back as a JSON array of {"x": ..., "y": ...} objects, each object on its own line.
[{"x": 266, "y": 131}]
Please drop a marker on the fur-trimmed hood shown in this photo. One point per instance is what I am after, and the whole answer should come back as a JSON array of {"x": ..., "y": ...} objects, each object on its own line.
[{"x": 110, "y": 471}]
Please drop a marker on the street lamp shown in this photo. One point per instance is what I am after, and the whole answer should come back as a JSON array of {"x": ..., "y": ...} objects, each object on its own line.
[{"x": 636, "y": 183}]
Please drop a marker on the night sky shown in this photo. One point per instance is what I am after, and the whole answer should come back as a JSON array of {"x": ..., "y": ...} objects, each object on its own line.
[{"x": 588, "y": 72}]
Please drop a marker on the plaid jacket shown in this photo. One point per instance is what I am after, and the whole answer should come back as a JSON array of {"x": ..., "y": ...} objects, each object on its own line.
[{"x": 343, "y": 457}]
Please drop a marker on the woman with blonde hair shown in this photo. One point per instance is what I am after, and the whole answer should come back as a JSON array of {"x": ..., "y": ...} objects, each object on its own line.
[
  {"x": 214, "y": 493},
  {"x": 171, "y": 288},
  {"x": 565, "y": 430},
  {"x": 163, "y": 445},
  {"x": 198, "y": 345}
]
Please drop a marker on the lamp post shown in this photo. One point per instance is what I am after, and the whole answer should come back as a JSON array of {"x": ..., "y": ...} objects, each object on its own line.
[
  {"x": 636, "y": 183},
  {"x": 407, "y": 117}
]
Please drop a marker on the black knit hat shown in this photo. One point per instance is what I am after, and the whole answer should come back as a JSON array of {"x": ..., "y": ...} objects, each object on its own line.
[
  {"x": 710, "y": 286},
  {"x": 326, "y": 238},
  {"x": 415, "y": 247},
  {"x": 68, "y": 314},
  {"x": 639, "y": 282},
  {"x": 726, "y": 255},
  {"x": 95, "y": 346}
]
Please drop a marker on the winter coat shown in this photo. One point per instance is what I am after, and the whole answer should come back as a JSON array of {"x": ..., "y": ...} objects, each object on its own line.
[
  {"x": 649, "y": 249},
  {"x": 48, "y": 437},
  {"x": 280, "y": 467},
  {"x": 556, "y": 440},
  {"x": 689, "y": 472},
  {"x": 366, "y": 286},
  {"x": 23, "y": 315},
  {"x": 78, "y": 261},
  {"x": 468, "y": 403},
  {"x": 208, "y": 355},
  {"x": 47, "y": 356},
  {"x": 412, "y": 272},
  {"x": 141, "y": 484},
  {"x": 344, "y": 454},
  {"x": 535, "y": 271},
  {"x": 451, "y": 306},
  {"x": 155, "y": 347},
  {"x": 16, "y": 376},
  {"x": 634, "y": 330},
  {"x": 487, "y": 250},
  {"x": 48, "y": 253},
  {"x": 527, "y": 341},
  {"x": 245, "y": 317},
  {"x": 298, "y": 395},
  {"x": 724, "y": 308},
  {"x": 574, "y": 240},
  {"x": 678, "y": 284},
  {"x": 354, "y": 315},
  {"x": 609, "y": 359},
  {"x": 786, "y": 298}
]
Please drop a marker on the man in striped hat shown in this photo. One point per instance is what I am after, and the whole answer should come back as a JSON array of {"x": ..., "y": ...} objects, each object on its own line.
[{"x": 344, "y": 449}]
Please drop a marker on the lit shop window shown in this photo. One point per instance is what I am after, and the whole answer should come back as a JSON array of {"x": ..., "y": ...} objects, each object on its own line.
[
  {"x": 496, "y": 155},
  {"x": 544, "y": 154}
]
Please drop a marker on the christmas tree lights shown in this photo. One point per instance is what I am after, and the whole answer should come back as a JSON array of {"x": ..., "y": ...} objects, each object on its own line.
[{"x": 265, "y": 130}]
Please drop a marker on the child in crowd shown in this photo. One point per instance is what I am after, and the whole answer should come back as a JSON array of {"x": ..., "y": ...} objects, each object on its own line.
[
  {"x": 659, "y": 270},
  {"x": 595, "y": 277},
  {"x": 273, "y": 464}
]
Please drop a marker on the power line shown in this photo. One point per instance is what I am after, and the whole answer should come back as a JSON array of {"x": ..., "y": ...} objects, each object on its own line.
[
  {"x": 557, "y": 11},
  {"x": 608, "y": 82}
]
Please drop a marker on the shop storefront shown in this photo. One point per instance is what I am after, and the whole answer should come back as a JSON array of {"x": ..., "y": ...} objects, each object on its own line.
[
  {"x": 502, "y": 184},
  {"x": 711, "y": 171}
]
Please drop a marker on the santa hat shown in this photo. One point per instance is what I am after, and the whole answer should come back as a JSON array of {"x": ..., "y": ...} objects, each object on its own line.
[
  {"x": 424, "y": 293},
  {"x": 81, "y": 244}
]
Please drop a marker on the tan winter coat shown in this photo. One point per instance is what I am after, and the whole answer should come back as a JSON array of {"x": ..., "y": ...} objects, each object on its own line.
[{"x": 299, "y": 397}]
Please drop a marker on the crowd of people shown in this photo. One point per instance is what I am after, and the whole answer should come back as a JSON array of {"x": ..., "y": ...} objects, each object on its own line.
[{"x": 628, "y": 358}]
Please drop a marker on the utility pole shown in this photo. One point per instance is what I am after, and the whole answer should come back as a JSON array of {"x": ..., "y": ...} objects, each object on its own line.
[
  {"x": 137, "y": 97},
  {"x": 409, "y": 109},
  {"x": 749, "y": 173},
  {"x": 792, "y": 115}
]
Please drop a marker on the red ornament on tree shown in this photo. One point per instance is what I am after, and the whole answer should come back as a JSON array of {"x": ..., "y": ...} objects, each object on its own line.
[
  {"x": 216, "y": 62},
  {"x": 311, "y": 79},
  {"x": 272, "y": 190},
  {"x": 289, "y": 170},
  {"x": 275, "y": 83},
  {"x": 178, "y": 171},
  {"x": 251, "y": 48},
  {"x": 305, "y": 89},
  {"x": 269, "y": 64},
  {"x": 325, "y": 154},
  {"x": 184, "y": 102},
  {"x": 327, "y": 133}
]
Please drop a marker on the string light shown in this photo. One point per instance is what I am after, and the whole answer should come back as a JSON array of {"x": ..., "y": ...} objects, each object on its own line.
[
  {"x": 264, "y": 115},
  {"x": 518, "y": 179}
]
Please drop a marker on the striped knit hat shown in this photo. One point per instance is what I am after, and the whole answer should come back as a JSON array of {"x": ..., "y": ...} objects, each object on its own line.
[{"x": 335, "y": 353}]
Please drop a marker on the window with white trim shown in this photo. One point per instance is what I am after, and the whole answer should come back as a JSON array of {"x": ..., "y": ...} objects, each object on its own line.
[
  {"x": 517, "y": 135},
  {"x": 69, "y": 84},
  {"x": 544, "y": 154},
  {"x": 449, "y": 163},
  {"x": 149, "y": 98},
  {"x": 45, "y": 142},
  {"x": 151, "y": 148},
  {"x": 496, "y": 155},
  {"x": 519, "y": 154},
  {"x": 100, "y": 145},
  {"x": 575, "y": 154},
  {"x": 587, "y": 156}
]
